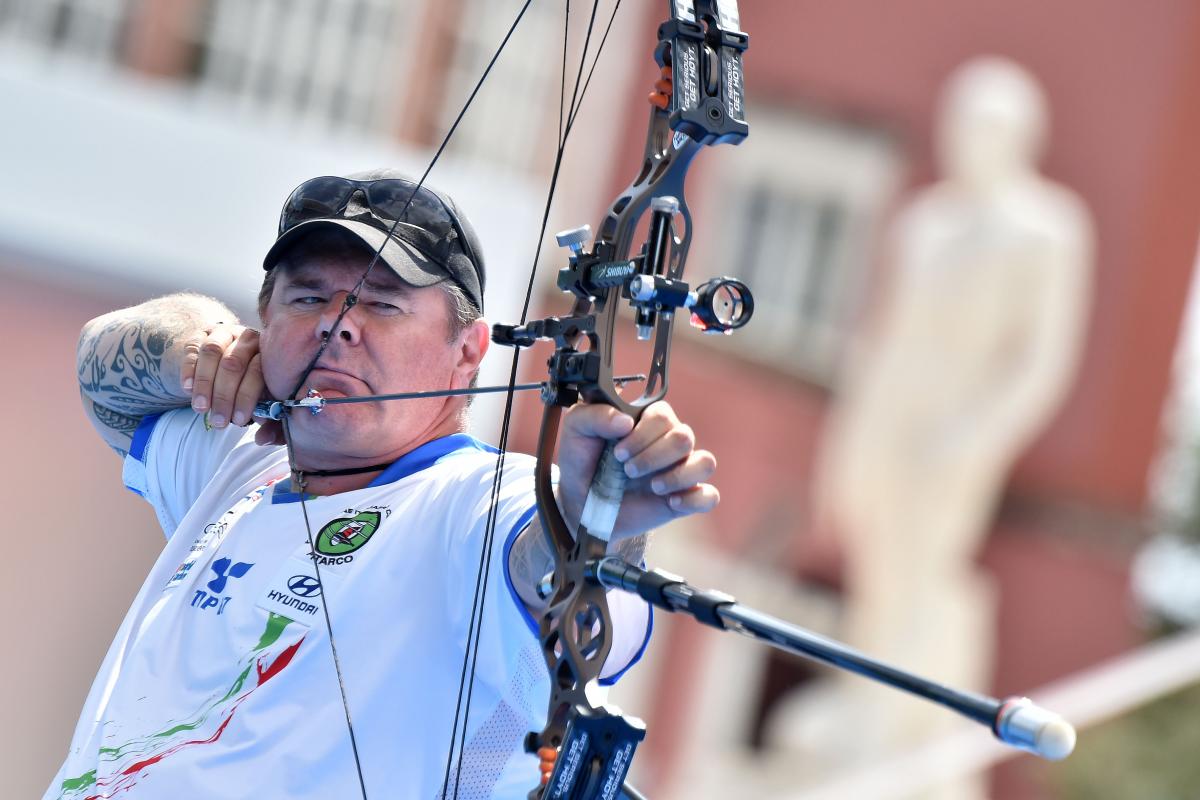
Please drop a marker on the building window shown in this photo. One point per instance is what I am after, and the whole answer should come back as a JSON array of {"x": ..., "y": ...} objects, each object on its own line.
[
  {"x": 334, "y": 63},
  {"x": 527, "y": 74},
  {"x": 330, "y": 63},
  {"x": 801, "y": 203},
  {"x": 90, "y": 30}
]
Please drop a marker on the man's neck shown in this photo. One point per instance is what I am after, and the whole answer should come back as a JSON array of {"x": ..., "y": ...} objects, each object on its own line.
[
  {"x": 322, "y": 485},
  {"x": 335, "y": 484}
]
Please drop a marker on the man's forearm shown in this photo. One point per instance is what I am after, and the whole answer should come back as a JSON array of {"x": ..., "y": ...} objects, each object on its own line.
[
  {"x": 129, "y": 361},
  {"x": 530, "y": 560}
]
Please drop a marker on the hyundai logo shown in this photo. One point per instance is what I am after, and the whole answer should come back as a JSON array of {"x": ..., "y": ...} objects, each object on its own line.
[{"x": 304, "y": 585}]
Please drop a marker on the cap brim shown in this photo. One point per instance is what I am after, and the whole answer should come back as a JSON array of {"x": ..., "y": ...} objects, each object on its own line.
[{"x": 410, "y": 264}]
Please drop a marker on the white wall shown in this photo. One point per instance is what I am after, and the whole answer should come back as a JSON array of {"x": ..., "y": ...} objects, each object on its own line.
[{"x": 118, "y": 179}]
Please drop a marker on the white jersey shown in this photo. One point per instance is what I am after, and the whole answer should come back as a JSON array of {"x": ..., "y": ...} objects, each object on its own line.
[{"x": 220, "y": 682}]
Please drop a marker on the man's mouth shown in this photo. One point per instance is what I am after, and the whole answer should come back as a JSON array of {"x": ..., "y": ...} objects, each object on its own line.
[{"x": 330, "y": 381}]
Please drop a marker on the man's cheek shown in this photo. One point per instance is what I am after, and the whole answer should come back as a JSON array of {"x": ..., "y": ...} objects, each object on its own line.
[{"x": 276, "y": 372}]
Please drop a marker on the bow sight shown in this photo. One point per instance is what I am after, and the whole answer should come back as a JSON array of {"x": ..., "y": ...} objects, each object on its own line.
[
  {"x": 700, "y": 53},
  {"x": 719, "y": 305}
]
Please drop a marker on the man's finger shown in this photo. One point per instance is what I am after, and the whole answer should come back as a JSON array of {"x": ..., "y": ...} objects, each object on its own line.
[
  {"x": 697, "y": 468},
  {"x": 232, "y": 369},
  {"x": 249, "y": 392},
  {"x": 654, "y": 423},
  {"x": 211, "y": 349},
  {"x": 270, "y": 432},
  {"x": 697, "y": 500},
  {"x": 597, "y": 421},
  {"x": 191, "y": 354},
  {"x": 671, "y": 446}
]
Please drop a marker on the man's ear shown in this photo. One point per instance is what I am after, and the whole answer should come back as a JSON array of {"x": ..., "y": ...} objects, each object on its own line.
[{"x": 473, "y": 345}]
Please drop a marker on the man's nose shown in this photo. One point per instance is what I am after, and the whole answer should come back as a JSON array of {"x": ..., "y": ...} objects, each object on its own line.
[{"x": 348, "y": 330}]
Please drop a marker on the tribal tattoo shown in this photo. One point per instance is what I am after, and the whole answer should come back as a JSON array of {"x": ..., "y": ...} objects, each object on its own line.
[{"x": 120, "y": 363}]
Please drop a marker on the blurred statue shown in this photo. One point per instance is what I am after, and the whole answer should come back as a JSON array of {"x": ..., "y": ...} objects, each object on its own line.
[{"x": 973, "y": 350}]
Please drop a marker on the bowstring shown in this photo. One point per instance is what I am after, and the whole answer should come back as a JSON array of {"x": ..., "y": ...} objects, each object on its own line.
[
  {"x": 558, "y": 159},
  {"x": 562, "y": 85},
  {"x": 475, "y": 628},
  {"x": 587, "y": 40},
  {"x": 301, "y": 486},
  {"x": 483, "y": 571},
  {"x": 347, "y": 304},
  {"x": 592, "y": 69},
  {"x": 352, "y": 298}
]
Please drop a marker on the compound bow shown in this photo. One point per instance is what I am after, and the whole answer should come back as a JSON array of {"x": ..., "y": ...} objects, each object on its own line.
[{"x": 586, "y": 745}]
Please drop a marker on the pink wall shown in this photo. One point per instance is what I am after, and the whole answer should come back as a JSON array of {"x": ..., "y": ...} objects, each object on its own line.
[
  {"x": 79, "y": 546},
  {"x": 1122, "y": 84}
]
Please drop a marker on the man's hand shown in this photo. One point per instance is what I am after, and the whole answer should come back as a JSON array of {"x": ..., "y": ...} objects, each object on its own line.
[
  {"x": 222, "y": 371},
  {"x": 667, "y": 473}
]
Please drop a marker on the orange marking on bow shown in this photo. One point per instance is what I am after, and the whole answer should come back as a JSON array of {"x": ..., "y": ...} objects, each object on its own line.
[
  {"x": 548, "y": 756},
  {"x": 661, "y": 96}
]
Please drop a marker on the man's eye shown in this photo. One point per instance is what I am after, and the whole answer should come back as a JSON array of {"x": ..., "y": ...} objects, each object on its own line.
[
  {"x": 385, "y": 308},
  {"x": 309, "y": 300}
]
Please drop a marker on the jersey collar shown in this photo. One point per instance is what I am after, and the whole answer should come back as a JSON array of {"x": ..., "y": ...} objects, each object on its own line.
[{"x": 410, "y": 463}]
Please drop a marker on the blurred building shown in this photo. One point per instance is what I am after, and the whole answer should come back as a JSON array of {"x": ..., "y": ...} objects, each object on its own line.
[
  {"x": 148, "y": 145},
  {"x": 1121, "y": 89}
]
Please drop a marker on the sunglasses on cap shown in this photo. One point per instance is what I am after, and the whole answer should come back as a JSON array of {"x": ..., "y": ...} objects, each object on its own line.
[
  {"x": 411, "y": 213},
  {"x": 390, "y": 199}
]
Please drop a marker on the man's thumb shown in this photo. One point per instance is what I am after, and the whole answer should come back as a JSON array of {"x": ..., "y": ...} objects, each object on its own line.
[{"x": 269, "y": 432}]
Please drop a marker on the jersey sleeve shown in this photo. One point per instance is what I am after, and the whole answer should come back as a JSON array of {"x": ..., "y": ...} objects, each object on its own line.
[
  {"x": 632, "y": 619},
  {"x": 171, "y": 459}
]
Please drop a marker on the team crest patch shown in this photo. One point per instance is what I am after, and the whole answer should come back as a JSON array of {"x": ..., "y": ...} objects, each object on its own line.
[{"x": 345, "y": 535}]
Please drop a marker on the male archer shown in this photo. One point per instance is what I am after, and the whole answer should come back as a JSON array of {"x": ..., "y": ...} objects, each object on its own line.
[{"x": 222, "y": 681}]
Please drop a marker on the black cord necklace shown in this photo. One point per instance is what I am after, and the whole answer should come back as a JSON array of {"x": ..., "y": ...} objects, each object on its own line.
[{"x": 331, "y": 473}]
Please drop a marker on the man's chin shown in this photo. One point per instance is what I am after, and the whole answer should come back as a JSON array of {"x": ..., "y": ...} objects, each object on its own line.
[{"x": 334, "y": 432}]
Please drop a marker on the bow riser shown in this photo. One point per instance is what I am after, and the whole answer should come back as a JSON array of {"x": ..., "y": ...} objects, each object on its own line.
[
  {"x": 596, "y": 743},
  {"x": 665, "y": 180},
  {"x": 575, "y": 631}
]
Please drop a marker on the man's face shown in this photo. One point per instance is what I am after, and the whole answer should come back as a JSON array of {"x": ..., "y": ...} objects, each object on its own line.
[{"x": 393, "y": 340}]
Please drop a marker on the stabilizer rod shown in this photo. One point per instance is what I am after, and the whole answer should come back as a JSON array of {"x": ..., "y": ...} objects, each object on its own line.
[{"x": 1016, "y": 721}]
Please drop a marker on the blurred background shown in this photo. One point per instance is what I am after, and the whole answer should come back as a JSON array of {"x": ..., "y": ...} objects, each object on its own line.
[{"x": 147, "y": 145}]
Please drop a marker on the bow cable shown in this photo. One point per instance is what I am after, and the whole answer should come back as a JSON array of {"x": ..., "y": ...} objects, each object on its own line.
[
  {"x": 475, "y": 627},
  {"x": 347, "y": 304}
]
